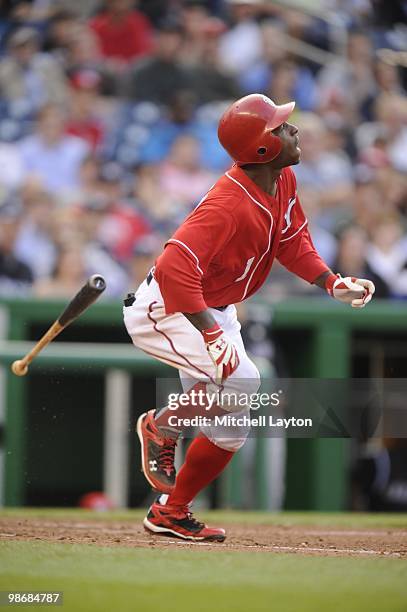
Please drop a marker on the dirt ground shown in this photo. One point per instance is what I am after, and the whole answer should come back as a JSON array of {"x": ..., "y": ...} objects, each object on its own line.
[{"x": 307, "y": 540}]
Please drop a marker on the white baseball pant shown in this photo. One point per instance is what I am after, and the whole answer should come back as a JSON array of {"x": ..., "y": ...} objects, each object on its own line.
[{"x": 175, "y": 341}]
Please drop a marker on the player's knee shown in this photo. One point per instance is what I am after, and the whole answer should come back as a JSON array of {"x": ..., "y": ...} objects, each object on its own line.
[
  {"x": 242, "y": 387},
  {"x": 230, "y": 431}
]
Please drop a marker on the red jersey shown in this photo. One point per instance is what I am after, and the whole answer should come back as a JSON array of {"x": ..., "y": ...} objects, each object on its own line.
[
  {"x": 125, "y": 38},
  {"x": 224, "y": 250}
]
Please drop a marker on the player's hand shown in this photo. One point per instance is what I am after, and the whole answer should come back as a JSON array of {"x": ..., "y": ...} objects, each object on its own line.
[
  {"x": 354, "y": 291},
  {"x": 222, "y": 352}
]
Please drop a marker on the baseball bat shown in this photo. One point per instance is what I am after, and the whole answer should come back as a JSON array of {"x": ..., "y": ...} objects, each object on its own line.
[{"x": 89, "y": 293}]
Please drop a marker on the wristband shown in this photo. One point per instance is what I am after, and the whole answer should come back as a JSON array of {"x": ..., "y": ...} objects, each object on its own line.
[
  {"x": 211, "y": 334},
  {"x": 329, "y": 283}
]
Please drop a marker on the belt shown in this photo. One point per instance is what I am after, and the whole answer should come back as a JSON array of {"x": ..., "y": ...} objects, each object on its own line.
[
  {"x": 130, "y": 297},
  {"x": 150, "y": 278}
]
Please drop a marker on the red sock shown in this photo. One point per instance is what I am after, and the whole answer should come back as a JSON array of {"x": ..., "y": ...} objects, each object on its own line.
[{"x": 203, "y": 463}]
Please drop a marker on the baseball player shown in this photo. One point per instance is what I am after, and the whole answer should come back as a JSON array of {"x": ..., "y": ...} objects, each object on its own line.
[{"x": 184, "y": 315}]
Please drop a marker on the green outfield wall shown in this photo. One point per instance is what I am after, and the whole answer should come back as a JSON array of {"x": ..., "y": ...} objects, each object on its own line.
[{"x": 318, "y": 338}]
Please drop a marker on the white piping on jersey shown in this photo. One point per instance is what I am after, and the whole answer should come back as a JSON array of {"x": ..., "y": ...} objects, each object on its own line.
[
  {"x": 201, "y": 200},
  {"x": 295, "y": 233},
  {"x": 271, "y": 227},
  {"x": 204, "y": 197},
  {"x": 189, "y": 250},
  {"x": 287, "y": 215}
]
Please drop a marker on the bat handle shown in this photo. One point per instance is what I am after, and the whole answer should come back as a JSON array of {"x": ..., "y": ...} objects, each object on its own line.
[{"x": 20, "y": 367}]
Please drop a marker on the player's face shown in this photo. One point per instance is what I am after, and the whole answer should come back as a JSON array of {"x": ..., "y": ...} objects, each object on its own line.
[{"x": 290, "y": 153}]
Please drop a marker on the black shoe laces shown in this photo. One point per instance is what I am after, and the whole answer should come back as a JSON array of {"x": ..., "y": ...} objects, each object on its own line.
[{"x": 191, "y": 518}]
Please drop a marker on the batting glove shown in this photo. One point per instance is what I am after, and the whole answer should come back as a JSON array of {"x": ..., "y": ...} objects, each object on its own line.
[
  {"x": 354, "y": 291},
  {"x": 222, "y": 352}
]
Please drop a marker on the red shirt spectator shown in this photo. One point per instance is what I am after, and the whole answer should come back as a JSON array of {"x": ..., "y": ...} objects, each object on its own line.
[
  {"x": 121, "y": 229},
  {"x": 91, "y": 131},
  {"x": 124, "y": 34},
  {"x": 83, "y": 120}
]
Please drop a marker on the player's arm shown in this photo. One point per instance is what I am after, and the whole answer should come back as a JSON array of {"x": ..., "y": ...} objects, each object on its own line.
[
  {"x": 298, "y": 254},
  {"x": 220, "y": 349},
  {"x": 201, "y": 320}
]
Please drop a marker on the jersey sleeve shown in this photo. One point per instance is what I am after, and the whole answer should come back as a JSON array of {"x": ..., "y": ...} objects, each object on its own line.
[
  {"x": 296, "y": 251},
  {"x": 187, "y": 256}
]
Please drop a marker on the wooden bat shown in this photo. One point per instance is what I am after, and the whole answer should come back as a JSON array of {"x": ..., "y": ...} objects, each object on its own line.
[{"x": 89, "y": 293}]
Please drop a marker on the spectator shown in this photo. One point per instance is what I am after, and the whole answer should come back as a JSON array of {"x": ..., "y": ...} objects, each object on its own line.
[
  {"x": 388, "y": 133},
  {"x": 327, "y": 172},
  {"x": 240, "y": 46},
  {"x": 212, "y": 82},
  {"x": 85, "y": 120},
  {"x": 150, "y": 199},
  {"x": 391, "y": 111},
  {"x": 368, "y": 202},
  {"x": 69, "y": 274},
  {"x": 87, "y": 225},
  {"x": 182, "y": 177},
  {"x": 124, "y": 33},
  {"x": 35, "y": 232},
  {"x": 83, "y": 50},
  {"x": 351, "y": 258},
  {"x": 26, "y": 74},
  {"x": 288, "y": 80},
  {"x": 323, "y": 240},
  {"x": 180, "y": 119},
  {"x": 11, "y": 174},
  {"x": 349, "y": 79},
  {"x": 61, "y": 28},
  {"x": 84, "y": 53},
  {"x": 123, "y": 225},
  {"x": 144, "y": 254},
  {"x": 194, "y": 14},
  {"x": 204, "y": 52},
  {"x": 89, "y": 178},
  {"x": 15, "y": 276},
  {"x": 393, "y": 185},
  {"x": 52, "y": 155},
  {"x": 388, "y": 76},
  {"x": 157, "y": 77},
  {"x": 386, "y": 255},
  {"x": 261, "y": 77}
]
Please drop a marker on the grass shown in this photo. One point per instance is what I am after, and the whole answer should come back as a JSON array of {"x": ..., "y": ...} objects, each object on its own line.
[{"x": 124, "y": 579}]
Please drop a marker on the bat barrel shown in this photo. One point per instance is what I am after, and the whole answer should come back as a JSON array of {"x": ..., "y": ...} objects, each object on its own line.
[{"x": 89, "y": 293}]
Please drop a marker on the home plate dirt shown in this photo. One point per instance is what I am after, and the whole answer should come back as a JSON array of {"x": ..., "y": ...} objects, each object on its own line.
[{"x": 304, "y": 540}]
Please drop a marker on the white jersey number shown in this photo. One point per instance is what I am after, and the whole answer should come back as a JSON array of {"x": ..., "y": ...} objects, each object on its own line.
[{"x": 246, "y": 271}]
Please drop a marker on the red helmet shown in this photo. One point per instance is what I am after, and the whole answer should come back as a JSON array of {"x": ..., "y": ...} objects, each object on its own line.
[{"x": 245, "y": 129}]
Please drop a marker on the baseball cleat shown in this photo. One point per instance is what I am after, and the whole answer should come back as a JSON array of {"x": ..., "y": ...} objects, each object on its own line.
[
  {"x": 157, "y": 454},
  {"x": 179, "y": 521}
]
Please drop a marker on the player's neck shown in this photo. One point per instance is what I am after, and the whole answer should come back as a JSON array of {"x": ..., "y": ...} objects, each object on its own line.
[{"x": 264, "y": 177}]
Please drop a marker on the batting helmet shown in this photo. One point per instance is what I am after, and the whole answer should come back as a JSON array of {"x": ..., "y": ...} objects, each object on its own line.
[{"x": 245, "y": 129}]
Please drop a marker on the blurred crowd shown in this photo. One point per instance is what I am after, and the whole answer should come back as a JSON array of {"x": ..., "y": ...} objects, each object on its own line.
[{"x": 108, "y": 121}]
